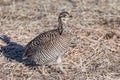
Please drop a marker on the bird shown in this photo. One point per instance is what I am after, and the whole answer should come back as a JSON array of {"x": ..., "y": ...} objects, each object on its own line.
[{"x": 49, "y": 47}]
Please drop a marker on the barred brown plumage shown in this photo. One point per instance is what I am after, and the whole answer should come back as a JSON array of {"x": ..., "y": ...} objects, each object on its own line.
[{"x": 48, "y": 47}]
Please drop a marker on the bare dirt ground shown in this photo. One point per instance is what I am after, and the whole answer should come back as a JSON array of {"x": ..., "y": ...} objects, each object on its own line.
[{"x": 95, "y": 26}]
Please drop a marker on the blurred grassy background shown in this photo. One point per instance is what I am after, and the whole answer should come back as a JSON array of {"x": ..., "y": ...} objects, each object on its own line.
[{"x": 95, "y": 26}]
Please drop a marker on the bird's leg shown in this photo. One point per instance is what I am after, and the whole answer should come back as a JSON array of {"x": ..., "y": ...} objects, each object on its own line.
[
  {"x": 60, "y": 65},
  {"x": 43, "y": 71},
  {"x": 61, "y": 68}
]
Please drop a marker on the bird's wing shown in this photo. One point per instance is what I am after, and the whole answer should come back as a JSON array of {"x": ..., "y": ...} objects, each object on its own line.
[{"x": 37, "y": 43}]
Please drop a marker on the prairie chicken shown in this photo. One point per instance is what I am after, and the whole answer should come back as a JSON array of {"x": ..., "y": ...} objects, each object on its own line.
[{"x": 48, "y": 47}]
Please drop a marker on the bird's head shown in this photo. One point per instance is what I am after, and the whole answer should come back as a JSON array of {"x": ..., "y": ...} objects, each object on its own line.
[{"x": 64, "y": 17}]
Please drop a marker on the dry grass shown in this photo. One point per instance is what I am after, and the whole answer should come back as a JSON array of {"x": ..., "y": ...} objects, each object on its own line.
[{"x": 95, "y": 25}]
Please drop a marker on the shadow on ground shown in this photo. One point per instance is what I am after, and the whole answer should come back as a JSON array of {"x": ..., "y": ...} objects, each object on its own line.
[{"x": 14, "y": 51}]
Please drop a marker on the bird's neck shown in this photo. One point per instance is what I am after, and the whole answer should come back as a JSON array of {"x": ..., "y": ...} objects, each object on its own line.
[{"x": 62, "y": 26}]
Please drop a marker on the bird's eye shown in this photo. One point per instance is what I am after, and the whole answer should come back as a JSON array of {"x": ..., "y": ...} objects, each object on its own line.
[{"x": 63, "y": 19}]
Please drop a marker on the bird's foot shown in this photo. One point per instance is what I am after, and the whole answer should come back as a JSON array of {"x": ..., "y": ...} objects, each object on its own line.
[{"x": 43, "y": 71}]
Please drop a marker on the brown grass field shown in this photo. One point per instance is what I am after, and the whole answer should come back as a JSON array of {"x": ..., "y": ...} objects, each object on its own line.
[{"x": 95, "y": 26}]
